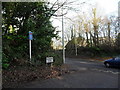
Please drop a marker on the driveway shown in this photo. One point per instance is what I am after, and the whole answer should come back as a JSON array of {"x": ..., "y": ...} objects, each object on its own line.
[{"x": 84, "y": 74}]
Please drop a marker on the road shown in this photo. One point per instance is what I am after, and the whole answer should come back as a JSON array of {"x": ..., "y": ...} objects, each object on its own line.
[{"x": 84, "y": 74}]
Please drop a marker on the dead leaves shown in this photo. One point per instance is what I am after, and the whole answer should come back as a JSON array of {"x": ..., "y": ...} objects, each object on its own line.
[{"x": 15, "y": 76}]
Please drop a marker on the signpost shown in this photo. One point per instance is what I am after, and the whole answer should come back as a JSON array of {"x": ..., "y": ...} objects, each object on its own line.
[{"x": 30, "y": 38}]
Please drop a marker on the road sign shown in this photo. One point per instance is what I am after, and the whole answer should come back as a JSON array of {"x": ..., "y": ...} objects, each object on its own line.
[
  {"x": 49, "y": 59},
  {"x": 30, "y": 35}
]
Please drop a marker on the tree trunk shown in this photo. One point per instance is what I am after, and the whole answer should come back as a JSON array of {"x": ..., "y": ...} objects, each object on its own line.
[
  {"x": 87, "y": 39},
  {"x": 109, "y": 33}
]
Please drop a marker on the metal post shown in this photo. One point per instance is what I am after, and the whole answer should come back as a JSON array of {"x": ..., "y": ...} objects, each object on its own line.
[
  {"x": 30, "y": 49},
  {"x": 63, "y": 38},
  {"x": 75, "y": 46}
]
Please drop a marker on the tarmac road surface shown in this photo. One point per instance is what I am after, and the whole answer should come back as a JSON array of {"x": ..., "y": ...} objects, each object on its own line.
[{"x": 84, "y": 74}]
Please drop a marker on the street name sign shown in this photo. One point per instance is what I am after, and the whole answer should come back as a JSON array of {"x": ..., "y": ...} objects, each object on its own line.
[{"x": 49, "y": 59}]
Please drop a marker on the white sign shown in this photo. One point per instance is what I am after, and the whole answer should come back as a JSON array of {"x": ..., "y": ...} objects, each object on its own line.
[{"x": 49, "y": 59}]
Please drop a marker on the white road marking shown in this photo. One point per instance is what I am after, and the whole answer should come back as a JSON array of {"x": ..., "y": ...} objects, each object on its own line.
[
  {"x": 107, "y": 71},
  {"x": 85, "y": 62}
]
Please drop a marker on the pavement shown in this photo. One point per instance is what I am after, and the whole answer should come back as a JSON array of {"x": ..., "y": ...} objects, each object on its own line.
[{"x": 83, "y": 74}]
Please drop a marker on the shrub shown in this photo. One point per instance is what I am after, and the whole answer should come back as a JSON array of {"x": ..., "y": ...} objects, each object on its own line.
[
  {"x": 5, "y": 61},
  {"x": 57, "y": 57}
]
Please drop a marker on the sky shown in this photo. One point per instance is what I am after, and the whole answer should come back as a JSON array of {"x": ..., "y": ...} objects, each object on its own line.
[
  {"x": 105, "y": 8},
  {"x": 109, "y": 6}
]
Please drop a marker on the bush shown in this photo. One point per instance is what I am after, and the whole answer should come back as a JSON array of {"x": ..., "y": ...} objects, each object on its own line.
[
  {"x": 57, "y": 57},
  {"x": 5, "y": 61},
  {"x": 16, "y": 44},
  {"x": 41, "y": 58},
  {"x": 5, "y": 65}
]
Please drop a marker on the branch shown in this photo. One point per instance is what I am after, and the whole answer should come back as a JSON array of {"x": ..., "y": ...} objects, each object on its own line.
[
  {"x": 60, "y": 15},
  {"x": 59, "y": 8},
  {"x": 53, "y": 5}
]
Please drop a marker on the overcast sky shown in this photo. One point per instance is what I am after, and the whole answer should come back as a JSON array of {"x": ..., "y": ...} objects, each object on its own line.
[
  {"x": 109, "y": 6},
  {"x": 105, "y": 8}
]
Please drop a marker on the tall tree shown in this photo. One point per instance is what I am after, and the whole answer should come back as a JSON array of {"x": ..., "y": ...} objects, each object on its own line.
[
  {"x": 24, "y": 17},
  {"x": 95, "y": 22}
]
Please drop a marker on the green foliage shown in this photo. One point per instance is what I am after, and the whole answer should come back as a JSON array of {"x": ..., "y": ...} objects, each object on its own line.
[
  {"x": 57, "y": 57},
  {"x": 93, "y": 51},
  {"x": 25, "y": 17},
  {"x": 5, "y": 65},
  {"x": 58, "y": 60},
  {"x": 5, "y": 61},
  {"x": 94, "y": 48}
]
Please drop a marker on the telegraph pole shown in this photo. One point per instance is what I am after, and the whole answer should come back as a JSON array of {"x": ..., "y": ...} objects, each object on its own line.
[{"x": 63, "y": 38}]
